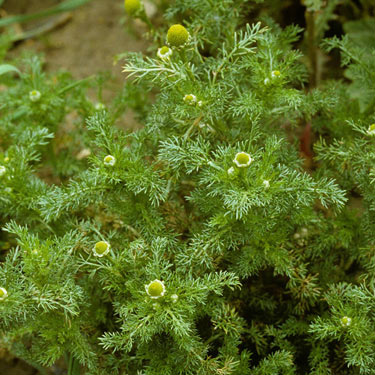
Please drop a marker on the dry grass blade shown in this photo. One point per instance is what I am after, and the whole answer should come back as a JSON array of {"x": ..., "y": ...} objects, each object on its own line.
[{"x": 65, "y": 6}]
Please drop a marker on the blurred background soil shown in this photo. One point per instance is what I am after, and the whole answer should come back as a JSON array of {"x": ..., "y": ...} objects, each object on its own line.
[{"x": 83, "y": 42}]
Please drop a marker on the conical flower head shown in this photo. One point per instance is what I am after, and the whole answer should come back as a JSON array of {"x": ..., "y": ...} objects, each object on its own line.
[
  {"x": 242, "y": 160},
  {"x": 132, "y": 6},
  {"x": 109, "y": 160},
  {"x": 177, "y": 36},
  {"x": 164, "y": 53},
  {"x": 155, "y": 289},
  {"x": 101, "y": 248}
]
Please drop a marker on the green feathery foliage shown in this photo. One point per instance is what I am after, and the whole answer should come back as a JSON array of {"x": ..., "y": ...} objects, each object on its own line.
[{"x": 211, "y": 240}]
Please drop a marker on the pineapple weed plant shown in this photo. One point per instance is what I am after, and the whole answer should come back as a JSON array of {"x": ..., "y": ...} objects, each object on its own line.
[{"x": 206, "y": 242}]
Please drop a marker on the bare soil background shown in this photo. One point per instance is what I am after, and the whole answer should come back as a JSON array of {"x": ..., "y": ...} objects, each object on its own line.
[{"x": 86, "y": 43}]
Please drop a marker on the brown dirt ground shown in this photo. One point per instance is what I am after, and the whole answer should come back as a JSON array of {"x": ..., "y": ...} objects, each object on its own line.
[
  {"x": 84, "y": 44},
  {"x": 87, "y": 42}
]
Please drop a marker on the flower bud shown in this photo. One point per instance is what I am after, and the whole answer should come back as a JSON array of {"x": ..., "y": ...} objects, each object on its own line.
[
  {"x": 174, "y": 298},
  {"x": 132, "y": 6},
  {"x": 371, "y": 130},
  {"x": 155, "y": 289},
  {"x": 190, "y": 99},
  {"x": 3, "y": 294},
  {"x": 346, "y": 321},
  {"x": 101, "y": 248},
  {"x": 99, "y": 106},
  {"x": 2, "y": 170},
  {"x": 231, "y": 171},
  {"x": 35, "y": 95},
  {"x": 242, "y": 160},
  {"x": 177, "y": 36},
  {"x": 165, "y": 53},
  {"x": 266, "y": 184},
  {"x": 109, "y": 160}
]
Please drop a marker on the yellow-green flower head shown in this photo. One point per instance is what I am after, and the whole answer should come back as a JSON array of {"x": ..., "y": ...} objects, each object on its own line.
[
  {"x": 371, "y": 130},
  {"x": 155, "y": 289},
  {"x": 165, "y": 53},
  {"x": 35, "y": 95},
  {"x": 177, "y": 36},
  {"x": 109, "y": 161},
  {"x": 101, "y": 248},
  {"x": 3, "y": 294},
  {"x": 190, "y": 99},
  {"x": 346, "y": 321},
  {"x": 242, "y": 160},
  {"x": 275, "y": 74},
  {"x": 2, "y": 170},
  {"x": 132, "y": 6}
]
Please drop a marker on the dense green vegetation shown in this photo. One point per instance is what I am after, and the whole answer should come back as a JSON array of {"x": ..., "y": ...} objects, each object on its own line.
[{"x": 233, "y": 233}]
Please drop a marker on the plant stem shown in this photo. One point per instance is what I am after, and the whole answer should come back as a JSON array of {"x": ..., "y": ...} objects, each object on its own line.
[
  {"x": 73, "y": 366},
  {"x": 312, "y": 50},
  {"x": 144, "y": 17}
]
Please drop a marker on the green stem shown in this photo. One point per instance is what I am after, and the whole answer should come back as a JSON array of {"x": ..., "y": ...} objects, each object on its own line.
[
  {"x": 213, "y": 338},
  {"x": 183, "y": 57},
  {"x": 73, "y": 365},
  {"x": 193, "y": 125},
  {"x": 75, "y": 84},
  {"x": 146, "y": 20},
  {"x": 182, "y": 54},
  {"x": 312, "y": 50}
]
